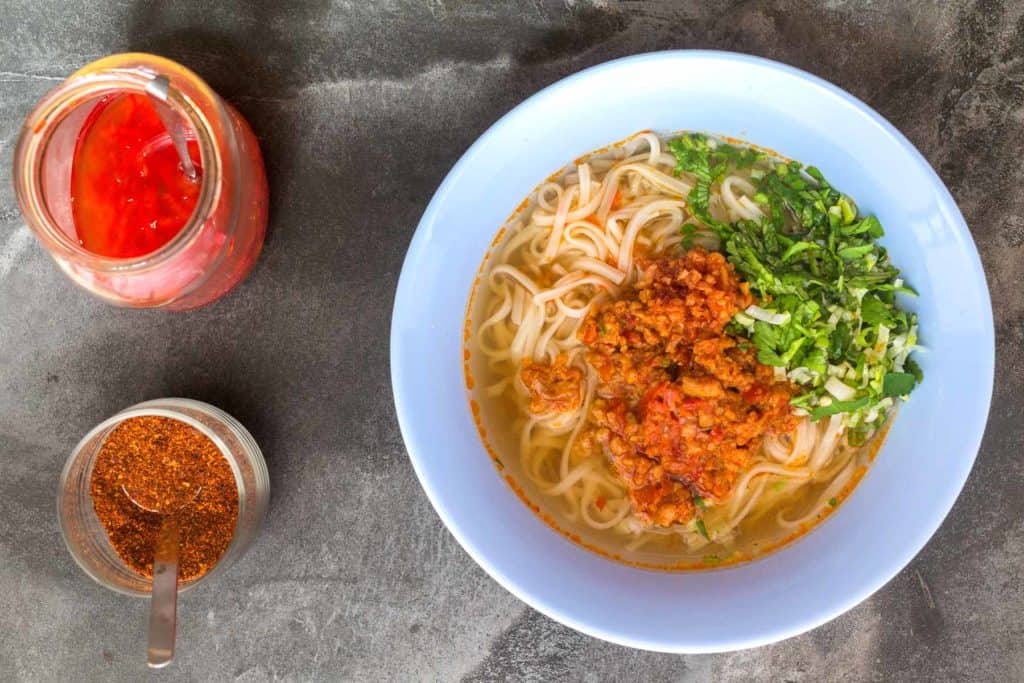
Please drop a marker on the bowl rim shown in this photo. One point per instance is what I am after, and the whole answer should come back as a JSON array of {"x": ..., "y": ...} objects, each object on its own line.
[{"x": 985, "y": 363}]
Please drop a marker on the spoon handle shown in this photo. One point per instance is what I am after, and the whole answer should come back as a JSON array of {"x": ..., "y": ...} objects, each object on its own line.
[
  {"x": 163, "y": 608},
  {"x": 158, "y": 90}
]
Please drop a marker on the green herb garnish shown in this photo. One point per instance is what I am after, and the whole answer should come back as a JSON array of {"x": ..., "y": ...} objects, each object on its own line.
[
  {"x": 709, "y": 163},
  {"x": 839, "y": 407},
  {"x": 699, "y": 502},
  {"x": 689, "y": 230},
  {"x": 832, "y": 502},
  {"x": 827, "y": 288},
  {"x": 898, "y": 383},
  {"x": 702, "y": 529}
]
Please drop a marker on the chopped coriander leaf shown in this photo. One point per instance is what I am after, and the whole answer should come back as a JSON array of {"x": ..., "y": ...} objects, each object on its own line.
[
  {"x": 779, "y": 485},
  {"x": 897, "y": 384},
  {"x": 699, "y": 502},
  {"x": 702, "y": 529},
  {"x": 712, "y": 559},
  {"x": 601, "y": 328},
  {"x": 826, "y": 287},
  {"x": 855, "y": 252},
  {"x": 798, "y": 247},
  {"x": 832, "y": 501},
  {"x": 874, "y": 311},
  {"x": 835, "y": 407}
]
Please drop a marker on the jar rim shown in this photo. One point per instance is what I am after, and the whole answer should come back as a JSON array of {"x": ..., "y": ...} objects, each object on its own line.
[{"x": 128, "y": 72}]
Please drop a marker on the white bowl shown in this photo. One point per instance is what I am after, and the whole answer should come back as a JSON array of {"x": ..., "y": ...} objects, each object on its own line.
[{"x": 916, "y": 476}]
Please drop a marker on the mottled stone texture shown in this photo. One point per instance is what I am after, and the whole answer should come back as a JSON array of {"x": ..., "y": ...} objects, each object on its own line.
[{"x": 361, "y": 108}]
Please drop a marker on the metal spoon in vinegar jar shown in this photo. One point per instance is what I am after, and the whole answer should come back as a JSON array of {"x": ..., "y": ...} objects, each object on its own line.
[{"x": 158, "y": 91}]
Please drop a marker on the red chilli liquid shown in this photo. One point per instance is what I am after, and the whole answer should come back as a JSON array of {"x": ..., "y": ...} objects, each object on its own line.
[{"x": 129, "y": 194}]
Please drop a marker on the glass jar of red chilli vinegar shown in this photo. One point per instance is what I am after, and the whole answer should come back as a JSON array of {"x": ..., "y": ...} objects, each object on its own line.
[{"x": 103, "y": 187}]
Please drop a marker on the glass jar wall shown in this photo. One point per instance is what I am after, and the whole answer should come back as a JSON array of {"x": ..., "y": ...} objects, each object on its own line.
[{"x": 217, "y": 246}]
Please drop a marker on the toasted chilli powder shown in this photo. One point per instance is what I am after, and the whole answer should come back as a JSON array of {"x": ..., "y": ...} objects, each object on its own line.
[{"x": 166, "y": 466}]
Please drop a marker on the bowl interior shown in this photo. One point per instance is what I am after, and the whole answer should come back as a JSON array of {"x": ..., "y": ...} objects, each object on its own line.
[{"x": 929, "y": 450}]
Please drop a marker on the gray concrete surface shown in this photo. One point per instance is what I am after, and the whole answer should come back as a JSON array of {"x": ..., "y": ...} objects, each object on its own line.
[{"x": 361, "y": 108}]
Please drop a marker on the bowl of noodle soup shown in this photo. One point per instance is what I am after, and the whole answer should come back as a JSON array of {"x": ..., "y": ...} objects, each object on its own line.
[
  {"x": 603, "y": 397},
  {"x": 563, "y": 391}
]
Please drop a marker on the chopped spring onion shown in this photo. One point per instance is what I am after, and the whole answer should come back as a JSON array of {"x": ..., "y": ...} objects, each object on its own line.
[
  {"x": 764, "y": 315},
  {"x": 839, "y": 389}
]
